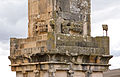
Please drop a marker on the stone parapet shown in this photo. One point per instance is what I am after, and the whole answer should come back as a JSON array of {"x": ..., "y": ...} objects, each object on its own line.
[{"x": 61, "y": 43}]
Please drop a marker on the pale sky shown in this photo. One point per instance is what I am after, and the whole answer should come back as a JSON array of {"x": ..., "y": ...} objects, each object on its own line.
[{"x": 13, "y": 23}]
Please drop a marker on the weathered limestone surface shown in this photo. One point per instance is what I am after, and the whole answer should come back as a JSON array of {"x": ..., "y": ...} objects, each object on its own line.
[
  {"x": 59, "y": 43},
  {"x": 61, "y": 16},
  {"x": 112, "y": 73}
]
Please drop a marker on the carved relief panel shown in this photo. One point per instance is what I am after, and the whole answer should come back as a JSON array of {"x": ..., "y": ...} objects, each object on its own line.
[{"x": 40, "y": 27}]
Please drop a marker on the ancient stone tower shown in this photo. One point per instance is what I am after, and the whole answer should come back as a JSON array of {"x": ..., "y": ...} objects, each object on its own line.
[{"x": 59, "y": 43}]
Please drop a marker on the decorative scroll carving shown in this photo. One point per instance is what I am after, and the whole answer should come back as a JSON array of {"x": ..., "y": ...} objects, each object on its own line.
[
  {"x": 40, "y": 27},
  {"x": 68, "y": 27}
]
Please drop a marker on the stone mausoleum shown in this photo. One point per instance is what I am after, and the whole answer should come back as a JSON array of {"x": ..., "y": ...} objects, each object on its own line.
[{"x": 59, "y": 42}]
